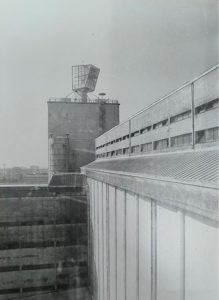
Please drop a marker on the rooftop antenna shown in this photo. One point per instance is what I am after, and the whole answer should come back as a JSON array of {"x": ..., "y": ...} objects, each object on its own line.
[{"x": 84, "y": 79}]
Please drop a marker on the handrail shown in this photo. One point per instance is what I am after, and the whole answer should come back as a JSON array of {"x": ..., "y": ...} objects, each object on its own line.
[
  {"x": 162, "y": 99},
  {"x": 75, "y": 100}
]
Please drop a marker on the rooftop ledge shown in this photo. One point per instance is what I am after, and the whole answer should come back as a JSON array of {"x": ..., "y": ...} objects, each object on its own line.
[
  {"x": 91, "y": 101},
  {"x": 186, "y": 181}
]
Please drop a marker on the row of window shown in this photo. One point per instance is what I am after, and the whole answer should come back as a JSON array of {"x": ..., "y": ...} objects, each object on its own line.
[
  {"x": 182, "y": 116},
  {"x": 202, "y": 136},
  {"x": 207, "y": 106},
  {"x": 208, "y": 135}
]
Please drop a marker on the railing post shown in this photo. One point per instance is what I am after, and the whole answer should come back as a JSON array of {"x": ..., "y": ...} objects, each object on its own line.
[
  {"x": 130, "y": 137},
  {"x": 193, "y": 115},
  {"x": 105, "y": 144}
]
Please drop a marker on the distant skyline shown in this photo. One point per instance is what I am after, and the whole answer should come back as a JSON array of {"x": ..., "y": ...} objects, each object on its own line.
[{"x": 144, "y": 49}]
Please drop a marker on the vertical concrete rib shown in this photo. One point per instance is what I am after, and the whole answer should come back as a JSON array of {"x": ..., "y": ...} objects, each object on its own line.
[
  {"x": 125, "y": 242},
  {"x": 55, "y": 249},
  {"x": 182, "y": 255},
  {"x": 137, "y": 245},
  {"x": 116, "y": 244},
  {"x": 94, "y": 239},
  {"x": 103, "y": 241},
  {"x": 153, "y": 250},
  {"x": 89, "y": 218},
  {"x": 98, "y": 228},
  {"x": 107, "y": 241}
]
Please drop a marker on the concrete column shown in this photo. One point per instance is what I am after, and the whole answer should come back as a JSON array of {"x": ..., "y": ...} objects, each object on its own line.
[{"x": 153, "y": 251}]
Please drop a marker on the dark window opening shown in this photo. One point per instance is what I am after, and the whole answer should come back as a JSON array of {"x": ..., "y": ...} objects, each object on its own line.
[
  {"x": 181, "y": 140},
  {"x": 207, "y": 106},
  {"x": 160, "y": 124},
  {"x": 126, "y": 150},
  {"x": 125, "y": 137},
  {"x": 135, "y": 133},
  {"x": 118, "y": 140},
  {"x": 161, "y": 144},
  {"x": 113, "y": 153},
  {"x": 182, "y": 116},
  {"x": 146, "y": 147},
  {"x": 208, "y": 135},
  {"x": 146, "y": 129},
  {"x": 119, "y": 152},
  {"x": 135, "y": 149}
]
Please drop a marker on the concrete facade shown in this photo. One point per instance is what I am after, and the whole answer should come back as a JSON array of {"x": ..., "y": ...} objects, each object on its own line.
[
  {"x": 186, "y": 118},
  {"x": 153, "y": 211},
  {"x": 79, "y": 124},
  {"x": 43, "y": 249},
  {"x": 152, "y": 237}
]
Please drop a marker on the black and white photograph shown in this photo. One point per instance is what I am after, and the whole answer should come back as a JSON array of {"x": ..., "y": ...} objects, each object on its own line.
[{"x": 109, "y": 150}]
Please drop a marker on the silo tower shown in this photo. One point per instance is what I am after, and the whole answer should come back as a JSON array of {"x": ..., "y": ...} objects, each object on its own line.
[
  {"x": 75, "y": 121},
  {"x": 84, "y": 79}
]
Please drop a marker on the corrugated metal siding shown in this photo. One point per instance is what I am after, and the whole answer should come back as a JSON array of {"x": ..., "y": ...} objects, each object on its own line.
[{"x": 194, "y": 165}]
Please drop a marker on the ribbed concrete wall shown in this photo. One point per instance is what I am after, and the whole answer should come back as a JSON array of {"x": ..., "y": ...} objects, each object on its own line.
[
  {"x": 142, "y": 248},
  {"x": 43, "y": 240}
]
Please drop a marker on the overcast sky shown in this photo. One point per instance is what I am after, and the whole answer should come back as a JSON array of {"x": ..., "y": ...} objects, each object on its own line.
[{"x": 144, "y": 48}]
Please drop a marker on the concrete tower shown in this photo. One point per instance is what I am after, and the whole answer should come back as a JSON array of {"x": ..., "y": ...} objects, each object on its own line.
[{"x": 75, "y": 122}]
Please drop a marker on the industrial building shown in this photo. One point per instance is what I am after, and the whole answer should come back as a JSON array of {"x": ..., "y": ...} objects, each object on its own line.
[
  {"x": 140, "y": 222},
  {"x": 153, "y": 200},
  {"x": 43, "y": 241},
  {"x": 185, "y": 119},
  {"x": 74, "y": 123},
  {"x": 43, "y": 228}
]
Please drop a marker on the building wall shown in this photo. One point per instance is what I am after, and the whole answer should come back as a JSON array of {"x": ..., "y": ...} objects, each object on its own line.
[
  {"x": 143, "y": 249},
  {"x": 43, "y": 241},
  {"x": 185, "y": 118},
  {"x": 82, "y": 122}
]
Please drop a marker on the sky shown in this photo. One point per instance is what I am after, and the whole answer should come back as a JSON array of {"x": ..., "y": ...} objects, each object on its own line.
[{"x": 144, "y": 48}]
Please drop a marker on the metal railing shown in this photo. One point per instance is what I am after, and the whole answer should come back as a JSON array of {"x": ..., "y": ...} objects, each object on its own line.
[
  {"x": 187, "y": 98},
  {"x": 77, "y": 100}
]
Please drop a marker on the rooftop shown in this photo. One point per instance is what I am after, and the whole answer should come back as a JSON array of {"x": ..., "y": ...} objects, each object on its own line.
[
  {"x": 78, "y": 100},
  {"x": 196, "y": 167}
]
